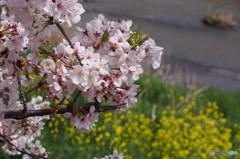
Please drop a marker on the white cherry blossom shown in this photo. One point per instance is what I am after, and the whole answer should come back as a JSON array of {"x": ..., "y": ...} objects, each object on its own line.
[
  {"x": 48, "y": 64},
  {"x": 79, "y": 75},
  {"x": 120, "y": 39}
]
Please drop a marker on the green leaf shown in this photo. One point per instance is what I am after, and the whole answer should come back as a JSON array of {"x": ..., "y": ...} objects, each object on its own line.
[
  {"x": 143, "y": 38},
  {"x": 137, "y": 35},
  {"x": 137, "y": 38},
  {"x": 119, "y": 20},
  {"x": 105, "y": 36}
]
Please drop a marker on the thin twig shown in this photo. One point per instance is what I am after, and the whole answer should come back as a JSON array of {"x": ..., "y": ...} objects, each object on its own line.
[
  {"x": 68, "y": 40},
  {"x": 61, "y": 102},
  {"x": 110, "y": 107},
  {"x": 67, "y": 65},
  {"x": 22, "y": 96},
  {"x": 75, "y": 98},
  {"x": 64, "y": 34},
  {"x": 40, "y": 84},
  {"x": 24, "y": 152}
]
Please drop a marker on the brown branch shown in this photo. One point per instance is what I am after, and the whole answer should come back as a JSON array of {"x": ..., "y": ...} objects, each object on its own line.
[
  {"x": 64, "y": 34},
  {"x": 24, "y": 152},
  {"x": 19, "y": 114},
  {"x": 97, "y": 104}
]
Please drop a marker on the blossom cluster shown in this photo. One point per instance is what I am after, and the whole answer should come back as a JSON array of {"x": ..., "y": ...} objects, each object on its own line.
[
  {"x": 26, "y": 26},
  {"x": 23, "y": 132},
  {"x": 101, "y": 64},
  {"x": 84, "y": 123},
  {"x": 102, "y": 61}
]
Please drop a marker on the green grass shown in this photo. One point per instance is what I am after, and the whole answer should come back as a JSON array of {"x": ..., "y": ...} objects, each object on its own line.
[
  {"x": 154, "y": 96},
  {"x": 154, "y": 92}
]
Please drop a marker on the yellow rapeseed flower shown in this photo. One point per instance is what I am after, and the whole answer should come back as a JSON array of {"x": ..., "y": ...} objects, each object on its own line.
[
  {"x": 122, "y": 117},
  {"x": 175, "y": 134},
  {"x": 211, "y": 122},
  {"x": 104, "y": 127},
  {"x": 209, "y": 104},
  {"x": 125, "y": 151},
  {"x": 155, "y": 144},
  {"x": 185, "y": 110},
  {"x": 181, "y": 98},
  {"x": 123, "y": 144},
  {"x": 50, "y": 124},
  {"x": 173, "y": 112},
  {"x": 103, "y": 143},
  {"x": 222, "y": 120},
  {"x": 56, "y": 123},
  {"x": 166, "y": 157},
  {"x": 164, "y": 112},
  {"x": 107, "y": 134},
  {"x": 193, "y": 103},
  {"x": 63, "y": 119},
  {"x": 168, "y": 107}
]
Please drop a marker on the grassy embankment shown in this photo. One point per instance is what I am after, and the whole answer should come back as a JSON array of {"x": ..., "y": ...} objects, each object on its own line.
[{"x": 167, "y": 122}]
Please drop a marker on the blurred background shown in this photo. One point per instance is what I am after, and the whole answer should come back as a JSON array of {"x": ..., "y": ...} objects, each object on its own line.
[{"x": 194, "y": 53}]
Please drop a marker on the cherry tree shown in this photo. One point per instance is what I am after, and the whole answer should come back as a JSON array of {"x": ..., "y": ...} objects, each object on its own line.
[{"x": 100, "y": 63}]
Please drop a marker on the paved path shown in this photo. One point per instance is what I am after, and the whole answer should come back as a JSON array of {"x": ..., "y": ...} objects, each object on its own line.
[{"x": 211, "y": 55}]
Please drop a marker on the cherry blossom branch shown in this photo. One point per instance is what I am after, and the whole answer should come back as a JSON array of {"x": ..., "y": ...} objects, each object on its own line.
[
  {"x": 18, "y": 114},
  {"x": 97, "y": 104},
  {"x": 99, "y": 66},
  {"x": 64, "y": 34},
  {"x": 67, "y": 65},
  {"x": 24, "y": 152}
]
